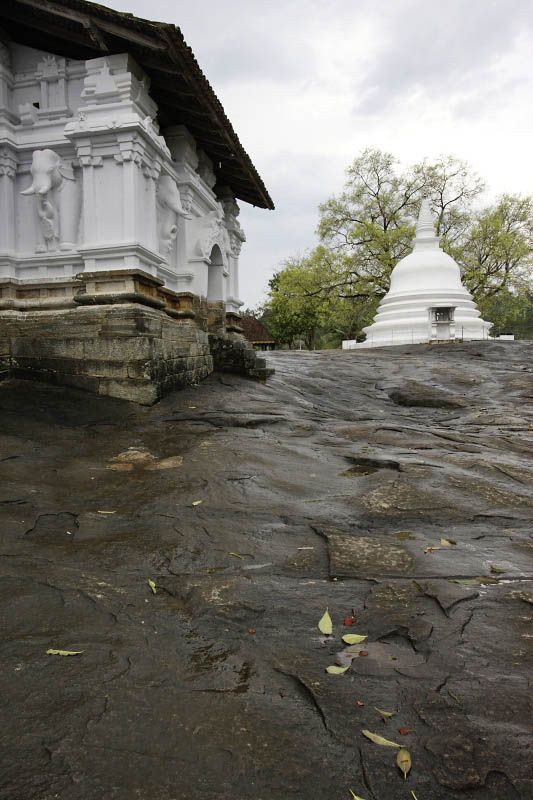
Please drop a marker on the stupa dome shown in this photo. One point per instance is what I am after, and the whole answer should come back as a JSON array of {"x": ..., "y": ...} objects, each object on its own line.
[
  {"x": 426, "y": 300},
  {"x": 427, "y": 266}
]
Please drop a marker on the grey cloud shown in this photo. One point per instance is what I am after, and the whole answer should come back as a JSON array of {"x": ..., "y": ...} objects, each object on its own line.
[{"x": 440, "y": 48}]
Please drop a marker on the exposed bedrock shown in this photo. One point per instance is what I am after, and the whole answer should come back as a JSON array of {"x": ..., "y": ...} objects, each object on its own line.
[{"x": 252, "y": 508}]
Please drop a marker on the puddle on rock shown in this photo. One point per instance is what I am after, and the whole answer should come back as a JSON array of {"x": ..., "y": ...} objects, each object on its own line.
[
  {"x": 403, "y": 536},
  {"x": 356, "y": 472}
]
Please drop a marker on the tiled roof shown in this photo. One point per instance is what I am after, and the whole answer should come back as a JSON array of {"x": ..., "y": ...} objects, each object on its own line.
[{"x": 255, "y": 331}]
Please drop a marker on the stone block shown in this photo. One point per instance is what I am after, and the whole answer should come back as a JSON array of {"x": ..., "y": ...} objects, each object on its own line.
[
  {"x": 129, "y": 351},
  {"x": 145, "y": 393},
  {"x": 113, "y": 349}
]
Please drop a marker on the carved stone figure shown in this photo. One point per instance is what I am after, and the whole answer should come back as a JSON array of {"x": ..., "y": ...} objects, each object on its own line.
[
  {"x": 58, "y": 200},
  {"x": 210, "y": 231},
  {"x": 168, "y": 209}
]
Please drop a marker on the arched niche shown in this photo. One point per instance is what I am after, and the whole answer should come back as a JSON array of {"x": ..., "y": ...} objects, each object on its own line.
[{"x": 215, "y": 276}]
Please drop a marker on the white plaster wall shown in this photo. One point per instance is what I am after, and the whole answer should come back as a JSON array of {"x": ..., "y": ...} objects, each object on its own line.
[{"x": 99, "y": 118}]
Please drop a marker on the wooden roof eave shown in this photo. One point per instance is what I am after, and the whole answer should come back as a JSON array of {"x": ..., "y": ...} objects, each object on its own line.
[{"x": 78, "y": 28}]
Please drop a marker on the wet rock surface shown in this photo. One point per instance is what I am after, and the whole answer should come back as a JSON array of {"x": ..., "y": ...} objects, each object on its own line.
[{"x": 333, "y": 485}]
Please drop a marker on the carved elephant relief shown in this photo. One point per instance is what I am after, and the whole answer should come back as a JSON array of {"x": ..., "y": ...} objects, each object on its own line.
[
  {"x": 168, "y": 209},
  {"x": 208, "y": 231},
  {"x": 58, "y": 197}
]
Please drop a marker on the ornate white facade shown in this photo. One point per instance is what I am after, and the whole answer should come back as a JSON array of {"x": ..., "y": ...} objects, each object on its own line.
[
  {"x": 89, "y": 184},
  {"x": 426, "y": 300}
]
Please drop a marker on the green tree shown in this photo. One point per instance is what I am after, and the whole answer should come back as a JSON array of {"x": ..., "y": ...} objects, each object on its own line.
[
  {"x": 296, "y": 307},
  {"x": 510, "y": 312},
  {"x": 494, "y": 253},
  {"x": 364, "y": 231}
]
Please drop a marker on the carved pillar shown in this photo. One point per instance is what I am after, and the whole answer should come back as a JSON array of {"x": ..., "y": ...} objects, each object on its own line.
[
  {"x": 151, "y": 175},
  {"x": 236, "y": 238},
  {"x": 89, "y": 163},
  {"x": 8, "y": 169},
  {"x": 6, "y": 85},
  {"x": 130, "y": 160},
  {"x": 182, "y": 148}
]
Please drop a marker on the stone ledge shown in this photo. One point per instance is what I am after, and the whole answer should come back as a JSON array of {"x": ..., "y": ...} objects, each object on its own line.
[
  {"x": 234, "y": 353},
  {"x": 129, "y": 351}
]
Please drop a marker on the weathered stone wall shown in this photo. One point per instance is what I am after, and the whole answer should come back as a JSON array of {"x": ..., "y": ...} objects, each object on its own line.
[
  {"x": 233, "y": 353},
  {"x": 216, "y": 317},
  {"x": 129, "y": 351}
]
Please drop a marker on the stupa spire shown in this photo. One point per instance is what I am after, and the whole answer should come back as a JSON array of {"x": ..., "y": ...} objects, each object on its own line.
[{"x": 425, "y": 226}]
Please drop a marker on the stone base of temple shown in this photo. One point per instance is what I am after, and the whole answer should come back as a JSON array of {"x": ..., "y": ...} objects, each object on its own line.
[
  {"x": 233, "y": 353},
  {"x": 117, "y": 333},
  {"x": 128, "y": 351}
]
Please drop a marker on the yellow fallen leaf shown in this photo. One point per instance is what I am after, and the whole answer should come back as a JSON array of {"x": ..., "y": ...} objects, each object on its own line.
[
  {"x": 106, "y": 512},
  {"x": 353, "y": 638},
  {"x": 447, "y": 542},
  {"x": 151, "y": 584},
  {"x": 236, "y": 555},
  {"x": 192, "y": 406},
  {"x": 52, "y": 652},
  {"x": 325, "y": 625},
  {"x": 384, "y": 713},
  {"x": 403, "y": 759},
  {"x": 377, "y": 739},
  {"x": 196, "y": 502},
  {"x": 414, "y": 795},
  {"x": 355, "y": 796},
  {"x": 306, "y": 548},
  {"x": 335, "y": 670}
]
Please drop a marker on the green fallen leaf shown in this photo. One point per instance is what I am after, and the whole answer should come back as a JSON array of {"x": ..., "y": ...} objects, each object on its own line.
[
  {"x": 325, "y": 625},
  {"x": 404, "y": 536},
  {"x": 235, "y": 555},
  {"x": 384, "y": 713},
  {"x": 335, "y": 670},
  {"x": 353, "y": 638},
  {"x": 448, "y": 542},
  {"x": 377, "y": 739},
  {"x": 52, "y": 652},
  {"x": 196, "y": 502},
  {"x": 403, "y": 759},
  {"x": 496, "y": 571},
  {"x": 355, "y": 796},
  {"x": 151, "y": 584},
  {"x": 479, "y": 580}
]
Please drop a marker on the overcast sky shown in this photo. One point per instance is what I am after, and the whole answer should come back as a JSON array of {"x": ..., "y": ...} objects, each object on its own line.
[{"x": 308, "y": 84}]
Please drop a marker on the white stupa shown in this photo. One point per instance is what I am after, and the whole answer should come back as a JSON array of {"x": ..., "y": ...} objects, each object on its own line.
[{"x": 426, "y": 301}]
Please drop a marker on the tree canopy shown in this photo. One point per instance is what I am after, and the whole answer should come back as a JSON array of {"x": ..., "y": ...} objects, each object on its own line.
[{"x": 333, "y": 291}]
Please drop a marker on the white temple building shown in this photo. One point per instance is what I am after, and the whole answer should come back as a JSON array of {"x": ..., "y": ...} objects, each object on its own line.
[
  {"x": 119, "y": 180},
  {"x": 426, "y": 301}
]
